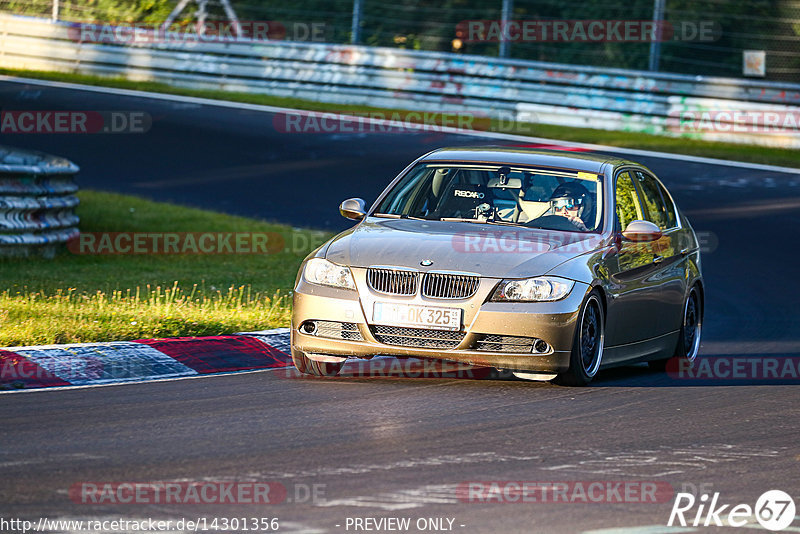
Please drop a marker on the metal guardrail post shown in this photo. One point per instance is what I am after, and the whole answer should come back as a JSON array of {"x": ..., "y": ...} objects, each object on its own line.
[
  {"x": 36, "y": 203},
  {"x": 655, "y": 44},
  {"x": 505, "y": 16},
  {"x": 355, "y": 28}
]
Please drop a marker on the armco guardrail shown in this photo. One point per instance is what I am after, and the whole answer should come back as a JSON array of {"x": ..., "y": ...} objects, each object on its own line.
[
  {"x": 721, "y": 109},
  {"x": 37, "y": 201}
]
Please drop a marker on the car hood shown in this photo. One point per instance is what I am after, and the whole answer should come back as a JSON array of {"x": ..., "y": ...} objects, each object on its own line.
[{"x": 489, "y": 250}]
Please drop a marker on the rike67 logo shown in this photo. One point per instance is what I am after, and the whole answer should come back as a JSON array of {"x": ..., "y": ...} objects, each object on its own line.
[{"x": 774, "y": 510}]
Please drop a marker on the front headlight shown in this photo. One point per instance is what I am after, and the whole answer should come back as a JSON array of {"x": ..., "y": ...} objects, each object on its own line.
[
  {"x": 539, "y": 289},
  {"x": 325, "y": 273}
]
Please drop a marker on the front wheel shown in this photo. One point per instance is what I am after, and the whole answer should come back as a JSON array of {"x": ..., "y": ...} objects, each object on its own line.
[
  {"x": 306, "y": 365},
  {"x": 587, "y": 347}
]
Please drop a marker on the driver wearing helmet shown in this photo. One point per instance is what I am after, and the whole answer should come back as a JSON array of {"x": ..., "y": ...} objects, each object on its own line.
[{"x": 571, "y": 200}]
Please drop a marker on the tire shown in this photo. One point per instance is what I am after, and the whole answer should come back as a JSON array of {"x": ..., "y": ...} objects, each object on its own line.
[
  {"x": 306, "y": 365},
  {"x": 688, "y": 345},
  {"x": 588, "y": 344}
]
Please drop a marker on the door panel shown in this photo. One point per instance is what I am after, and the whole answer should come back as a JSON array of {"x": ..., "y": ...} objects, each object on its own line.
[
  {"x": 634, "y": 285},
  {"x": 671, "y": 274}
]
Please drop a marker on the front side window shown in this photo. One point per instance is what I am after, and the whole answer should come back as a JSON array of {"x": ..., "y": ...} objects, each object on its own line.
[
  {"x": 627, "y": 202},
  {"x": 536, "y": 198},
  {"x": 659, "y": 208}
]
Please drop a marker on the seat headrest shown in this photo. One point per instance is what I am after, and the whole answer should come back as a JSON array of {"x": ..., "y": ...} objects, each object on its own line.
[{"x": 460, "y": 200}]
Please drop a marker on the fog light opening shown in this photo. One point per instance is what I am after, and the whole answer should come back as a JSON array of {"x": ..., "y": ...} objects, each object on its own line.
[
  {"x": 309, "y": 327},
  {"x": 541, "y": 346}
]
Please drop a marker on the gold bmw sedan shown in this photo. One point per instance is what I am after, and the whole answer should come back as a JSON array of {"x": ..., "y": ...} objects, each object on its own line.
[{"x": 550, "y": 264}]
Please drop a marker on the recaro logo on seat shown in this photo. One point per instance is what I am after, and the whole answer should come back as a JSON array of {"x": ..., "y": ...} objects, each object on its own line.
[{"x": 468, "y": 194}]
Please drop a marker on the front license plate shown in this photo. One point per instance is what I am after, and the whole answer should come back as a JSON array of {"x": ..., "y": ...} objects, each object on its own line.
[{"x": 435, "y": 318}]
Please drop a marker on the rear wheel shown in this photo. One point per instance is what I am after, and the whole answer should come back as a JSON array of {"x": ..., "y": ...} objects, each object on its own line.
[
  {"x": 689, "y": 336},
  {"x": 308, "y": 366},
  {"x": 587, "y": 347}
]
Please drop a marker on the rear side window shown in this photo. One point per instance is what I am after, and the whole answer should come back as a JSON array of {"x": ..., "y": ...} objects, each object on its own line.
[
  {"x": 627, "y": 201},
  {"x": 659, "y": 209}
]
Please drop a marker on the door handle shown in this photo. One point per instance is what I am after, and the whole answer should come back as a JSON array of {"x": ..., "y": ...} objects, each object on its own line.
[{"x": 658, "y": 259}]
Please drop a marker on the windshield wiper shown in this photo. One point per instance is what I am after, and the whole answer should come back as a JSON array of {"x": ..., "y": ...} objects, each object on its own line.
[
  {"x": 397, "y": 216},
  {"x": 507, "y": 223},
  {"x": 481, "y": 221},
  {"x": 444, "y": 219},
  {"x": 461, "y": 219}
]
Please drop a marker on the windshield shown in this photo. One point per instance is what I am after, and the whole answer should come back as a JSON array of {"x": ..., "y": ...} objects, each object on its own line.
[{"x": 494, "y": 194}]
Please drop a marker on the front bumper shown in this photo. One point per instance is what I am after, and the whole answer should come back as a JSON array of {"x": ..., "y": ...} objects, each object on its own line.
[{"x": 553, "y": 322}]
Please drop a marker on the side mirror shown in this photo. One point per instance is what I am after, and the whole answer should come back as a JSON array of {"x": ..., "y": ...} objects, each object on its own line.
[
  {"x": 642, "y": 231},
  {"x": 353, "y": 208}
]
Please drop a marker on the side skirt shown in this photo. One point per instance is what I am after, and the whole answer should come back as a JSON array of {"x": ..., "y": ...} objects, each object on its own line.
[{"x": 641, "y": 351}]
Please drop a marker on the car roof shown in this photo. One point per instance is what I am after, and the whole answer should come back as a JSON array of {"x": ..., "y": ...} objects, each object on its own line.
[{"x": 579, "y": 161}]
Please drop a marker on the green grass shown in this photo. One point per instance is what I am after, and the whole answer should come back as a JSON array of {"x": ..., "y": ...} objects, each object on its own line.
[
  {"x": 731, "y": 151},
  {"x": 80, "y": 298}
]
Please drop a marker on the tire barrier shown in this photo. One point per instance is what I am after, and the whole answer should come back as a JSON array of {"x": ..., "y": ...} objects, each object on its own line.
[{"x": 37, "y": 202}]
